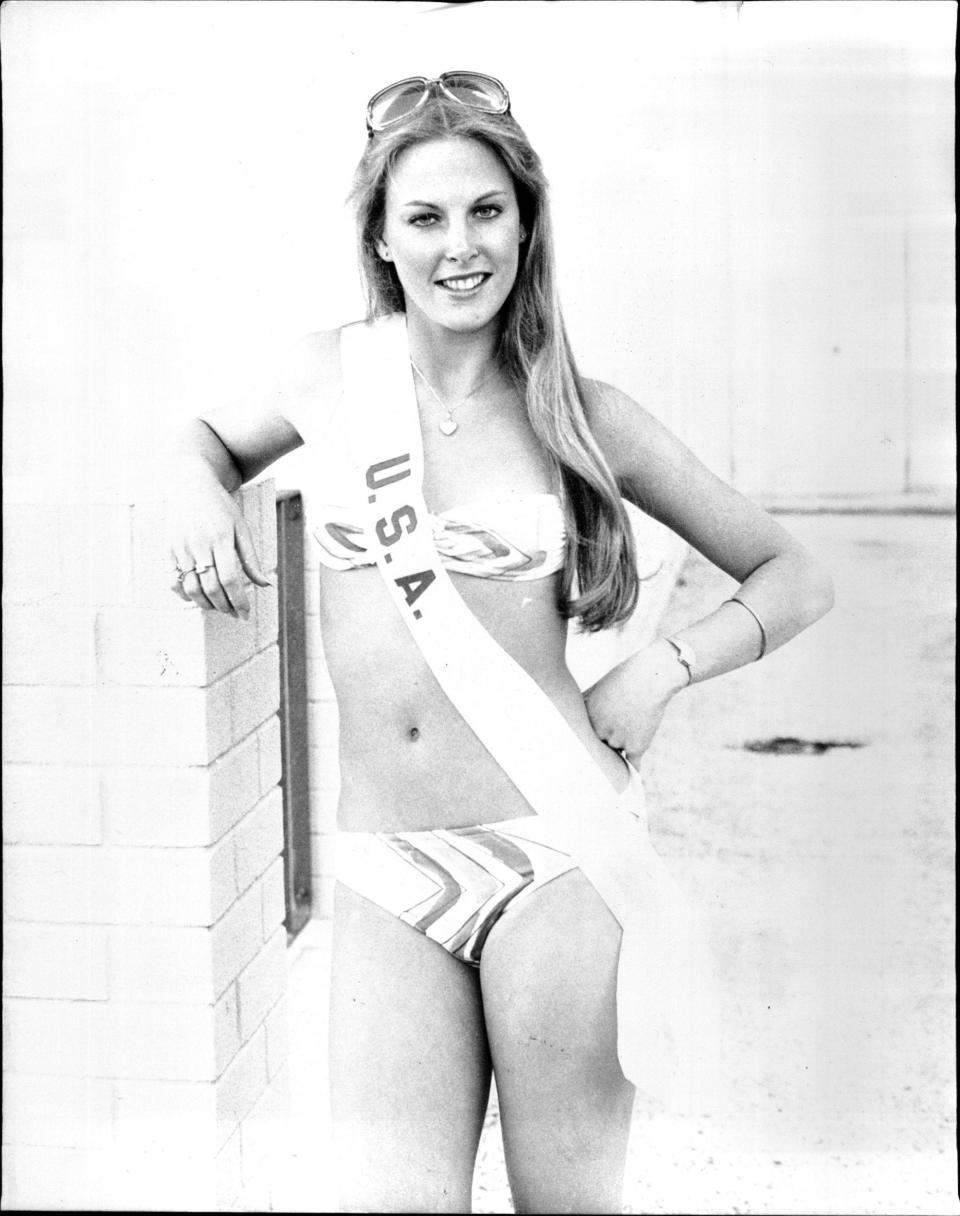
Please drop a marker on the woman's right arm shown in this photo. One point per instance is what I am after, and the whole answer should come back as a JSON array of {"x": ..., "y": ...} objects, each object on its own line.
[{"x": 212, "y": 457}]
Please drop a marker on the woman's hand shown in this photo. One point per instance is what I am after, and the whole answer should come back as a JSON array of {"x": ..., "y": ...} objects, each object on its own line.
[
  {"x": 627, "y": 705},
  {"x": 209, "y": 540}
]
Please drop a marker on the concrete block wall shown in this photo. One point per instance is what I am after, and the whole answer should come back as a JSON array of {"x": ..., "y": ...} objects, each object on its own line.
[{"x": 144, "y": 973}]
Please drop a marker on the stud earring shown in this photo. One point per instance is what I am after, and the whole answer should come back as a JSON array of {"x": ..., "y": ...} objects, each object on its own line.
[{"x": 523, "y": 234}]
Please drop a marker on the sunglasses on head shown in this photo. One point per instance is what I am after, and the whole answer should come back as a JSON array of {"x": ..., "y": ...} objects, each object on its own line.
[{"x": 401, "y": 99}]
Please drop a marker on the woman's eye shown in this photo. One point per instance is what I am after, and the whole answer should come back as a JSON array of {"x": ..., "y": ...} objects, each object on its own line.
[{"x": 427, "y": 219}]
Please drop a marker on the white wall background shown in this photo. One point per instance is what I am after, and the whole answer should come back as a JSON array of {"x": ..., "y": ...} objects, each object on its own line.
[{"x": 754, "y": 212}]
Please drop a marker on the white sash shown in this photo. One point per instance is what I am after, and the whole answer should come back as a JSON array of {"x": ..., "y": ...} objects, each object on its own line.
[{"x": 660, "y": 978}]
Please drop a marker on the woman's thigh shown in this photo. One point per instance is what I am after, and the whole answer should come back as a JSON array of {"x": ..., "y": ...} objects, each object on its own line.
[
  {"x": 549, "y": 975},
  {"x": 409, "y": 1065}
]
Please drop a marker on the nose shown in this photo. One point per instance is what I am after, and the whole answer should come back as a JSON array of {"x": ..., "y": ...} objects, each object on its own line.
[{"x": 461, "y": 243}]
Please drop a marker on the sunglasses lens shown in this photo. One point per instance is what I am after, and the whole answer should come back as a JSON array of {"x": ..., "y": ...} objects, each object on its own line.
[
  {"x": 399, "y": 100},
  {"x": 472, "y": 89},
  {"x": 394, "y": 103}
]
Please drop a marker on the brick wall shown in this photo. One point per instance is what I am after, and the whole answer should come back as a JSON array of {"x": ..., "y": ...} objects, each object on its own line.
[{"x": 145, "y": 962}]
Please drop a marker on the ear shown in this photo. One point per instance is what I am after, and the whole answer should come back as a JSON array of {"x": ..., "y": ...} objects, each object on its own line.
[{"x": 383, "y": 250}]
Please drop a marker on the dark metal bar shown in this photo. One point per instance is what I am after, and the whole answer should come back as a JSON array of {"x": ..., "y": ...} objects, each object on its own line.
[{"x": 294, "y": 743}]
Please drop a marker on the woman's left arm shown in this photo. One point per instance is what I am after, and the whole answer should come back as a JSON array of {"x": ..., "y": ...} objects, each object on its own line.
[{"x": 786, "y": 589}]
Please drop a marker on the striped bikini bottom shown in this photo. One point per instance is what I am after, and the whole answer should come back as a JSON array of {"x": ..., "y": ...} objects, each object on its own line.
[{"x": 452, "y": 884}]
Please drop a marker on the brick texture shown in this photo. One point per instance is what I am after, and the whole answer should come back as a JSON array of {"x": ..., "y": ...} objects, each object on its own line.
[
  {"x": 263, "y": 1137},
  {"x": 72, "y": 1112},
  {"x": 273, "y": 896},
  {"x": 31, "y": 553},
  {"x": 278, "y": 1037},
  {"x": 262, "y": 983},
  {"x": 119, "y": 885},
  {"x": 51, "y": 804},
  {"x": 65, "y": 961},
  {"x": 181, "y": 806},
  {"x": 121, "y": 1039},
  {"x": 62, "y": 649},
  {"x": 170, "y": 964},
  {"x": 268, "y": 744},
  {"x": 258, "y": 839},
  {"x": 145, "y": 954},
  {"x": 178, "y": 1115}
]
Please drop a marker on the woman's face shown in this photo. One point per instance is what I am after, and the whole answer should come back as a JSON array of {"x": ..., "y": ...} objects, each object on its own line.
[{"x": 452, "y": 230}]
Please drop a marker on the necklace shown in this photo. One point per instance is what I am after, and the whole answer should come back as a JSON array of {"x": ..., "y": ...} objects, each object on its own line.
[{"x": 449, "y": 424}]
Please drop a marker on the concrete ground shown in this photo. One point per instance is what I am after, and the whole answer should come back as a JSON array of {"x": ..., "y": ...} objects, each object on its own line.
[{"x": 826, "y": 879}]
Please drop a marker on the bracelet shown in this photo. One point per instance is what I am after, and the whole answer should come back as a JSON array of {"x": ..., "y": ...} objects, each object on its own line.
[
  {"x": 685, "y": 656},
  {"x": 763, "y": 632}
]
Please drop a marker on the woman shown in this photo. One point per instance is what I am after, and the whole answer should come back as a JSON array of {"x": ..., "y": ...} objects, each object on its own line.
[{"x": 479, "y": 927}]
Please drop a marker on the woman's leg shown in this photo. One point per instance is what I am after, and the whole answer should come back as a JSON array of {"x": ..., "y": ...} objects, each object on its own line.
[
  {"x": 549, "y": 988},
  {"x": 409, "y": 1065}
]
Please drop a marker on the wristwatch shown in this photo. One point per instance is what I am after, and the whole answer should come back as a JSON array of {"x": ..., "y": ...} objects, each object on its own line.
[{"x": 685, "y": 654}]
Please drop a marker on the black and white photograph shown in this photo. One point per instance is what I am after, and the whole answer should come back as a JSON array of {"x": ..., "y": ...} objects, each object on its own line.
[{"x": 479, "y": 615}]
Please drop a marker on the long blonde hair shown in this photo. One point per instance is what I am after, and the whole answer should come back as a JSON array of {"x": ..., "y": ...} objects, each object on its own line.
[{"x": 534, "y": 351}]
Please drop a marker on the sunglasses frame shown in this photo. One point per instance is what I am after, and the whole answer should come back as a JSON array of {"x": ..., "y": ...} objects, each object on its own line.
[{"x": 430, "y": 88}]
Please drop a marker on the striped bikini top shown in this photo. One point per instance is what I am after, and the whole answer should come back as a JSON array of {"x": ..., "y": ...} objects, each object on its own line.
[{"x": 511, "y": 536}]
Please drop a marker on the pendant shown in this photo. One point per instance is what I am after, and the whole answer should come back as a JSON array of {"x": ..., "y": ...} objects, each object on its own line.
[{"x": 447, "y": 425}]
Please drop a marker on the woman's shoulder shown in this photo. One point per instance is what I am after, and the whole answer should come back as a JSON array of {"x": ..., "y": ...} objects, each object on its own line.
[
  {"x": 311, "y": 382},
  {"x": 312, "y": 363},
  {"x": 610, "y": 408},
  {"x": 307, "y": 383},
  {"x": 631, "y": 437}
]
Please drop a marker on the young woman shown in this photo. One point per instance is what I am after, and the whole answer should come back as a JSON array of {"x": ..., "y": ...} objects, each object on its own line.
[{"x": 484, "y": 897}]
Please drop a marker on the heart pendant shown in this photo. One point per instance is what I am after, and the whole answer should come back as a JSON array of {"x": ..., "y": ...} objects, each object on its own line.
[{"x": 448, "y": 426}]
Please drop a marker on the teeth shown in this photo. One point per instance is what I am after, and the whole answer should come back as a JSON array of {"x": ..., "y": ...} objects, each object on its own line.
[{"x": 463, "y": 284}]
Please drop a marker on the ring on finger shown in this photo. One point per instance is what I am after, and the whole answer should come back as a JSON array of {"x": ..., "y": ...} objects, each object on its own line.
[
  {"x": 182, "y": 574},
  {"x": 203, "y": 569}
]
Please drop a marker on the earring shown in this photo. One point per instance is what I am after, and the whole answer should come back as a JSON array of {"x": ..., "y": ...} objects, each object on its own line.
[{"x": 523, "y": 234}]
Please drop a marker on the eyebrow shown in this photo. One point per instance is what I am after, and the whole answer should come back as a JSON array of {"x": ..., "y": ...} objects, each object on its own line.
[{"x": 419, "y": 202}]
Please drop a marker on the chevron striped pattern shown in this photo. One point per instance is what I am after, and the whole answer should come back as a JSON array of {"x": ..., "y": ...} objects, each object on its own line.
[
  {"x": 521, "y": 536},
  {"x": 451, "y": 884}
]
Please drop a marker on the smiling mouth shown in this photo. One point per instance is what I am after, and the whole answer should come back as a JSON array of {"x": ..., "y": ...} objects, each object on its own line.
[{"x": 465, "y": 282}]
